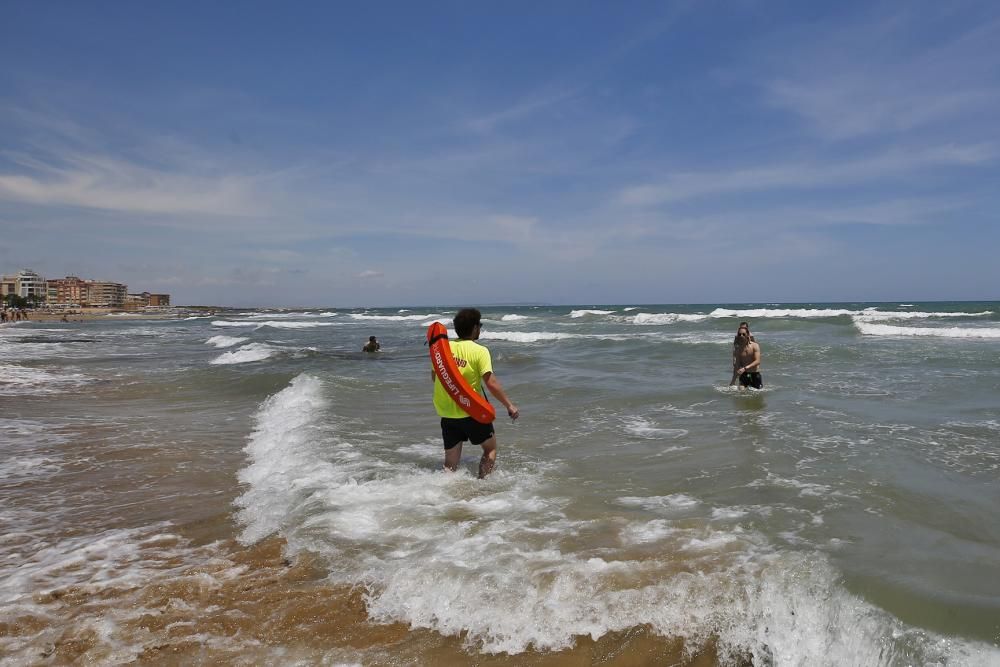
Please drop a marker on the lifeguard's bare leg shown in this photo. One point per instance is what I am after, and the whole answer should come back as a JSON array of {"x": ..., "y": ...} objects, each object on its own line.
[
  {"x": 452, "y": 457},
  {"x": 489, "y": 457}
]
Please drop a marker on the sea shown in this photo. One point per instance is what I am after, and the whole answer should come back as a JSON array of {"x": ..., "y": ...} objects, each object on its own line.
[{"x": 248, "y": 487}]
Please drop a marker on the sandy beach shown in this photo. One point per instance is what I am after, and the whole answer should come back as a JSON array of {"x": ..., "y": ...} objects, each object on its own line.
[{"x": 88, "y": 314}]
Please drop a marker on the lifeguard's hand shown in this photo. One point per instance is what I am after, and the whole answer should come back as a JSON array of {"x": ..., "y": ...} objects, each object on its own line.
[{"x": 513, "y": 412}]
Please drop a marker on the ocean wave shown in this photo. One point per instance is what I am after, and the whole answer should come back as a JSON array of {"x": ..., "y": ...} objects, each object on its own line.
[
  {"x": 872, "y": 313},
  {"x": 760, "y": 313},
  {"x": 391, "y": 318},
  {"x": 246, "y": 354},
  {"x": 274, "y": 324},
  {"x": 296, "y": 315},
  {"x": 230, "y": 323},
  {"x": 280, "y": 456},
  {"x": 584, "y": 313},
  {"x": 667, "y": 318},
  {"x": 510, "y": 317},
  {"x": 870, "y": 329},
  {"x": 225, "y": 341},
  {"x": 294, "y": 325},
  {"x": 485, "y": 561},
  {"x": 884, "y": 315},
  {"x": 528, "y": 336}
]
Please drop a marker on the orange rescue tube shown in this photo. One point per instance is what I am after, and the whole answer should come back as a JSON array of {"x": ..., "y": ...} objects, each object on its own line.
[{"x": 475, "y": 405}]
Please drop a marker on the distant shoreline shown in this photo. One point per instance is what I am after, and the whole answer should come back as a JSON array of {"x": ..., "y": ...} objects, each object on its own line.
[{"x": 88, "y": 314}]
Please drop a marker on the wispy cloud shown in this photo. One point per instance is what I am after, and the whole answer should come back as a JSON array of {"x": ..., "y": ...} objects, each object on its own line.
[
  {"x": 876, "y": 78},
  {"x": 832, "y": 174},
  {"x": 114, "y": 184},
  {"x": 521, "y": 110}
]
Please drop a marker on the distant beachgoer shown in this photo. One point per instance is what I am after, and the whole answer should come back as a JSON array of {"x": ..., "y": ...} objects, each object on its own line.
[
  {"x": 746, "y": 359},
  {"x": 3, "y": 316},
  {"x": 372, "y": 345},
  {"x": 476, "y": 366}
]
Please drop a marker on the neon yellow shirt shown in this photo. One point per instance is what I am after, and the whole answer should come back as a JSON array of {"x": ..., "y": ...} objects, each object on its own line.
[{"x": 473, "y": 362}]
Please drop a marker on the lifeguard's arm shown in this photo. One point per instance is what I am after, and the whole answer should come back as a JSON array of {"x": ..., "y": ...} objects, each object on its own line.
[
  {"x": 755, "y": 362},
  {"x": 493, "y": 384}
]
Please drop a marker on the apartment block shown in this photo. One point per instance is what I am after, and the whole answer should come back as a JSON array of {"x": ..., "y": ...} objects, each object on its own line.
[{"x": 74, "y": 291}]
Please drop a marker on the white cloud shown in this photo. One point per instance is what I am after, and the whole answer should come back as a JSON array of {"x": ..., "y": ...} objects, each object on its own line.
[{"x": 371, "y": 273}]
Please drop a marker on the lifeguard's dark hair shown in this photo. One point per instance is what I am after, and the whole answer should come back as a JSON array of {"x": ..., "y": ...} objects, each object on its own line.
[{"x": 466, "y": 320}]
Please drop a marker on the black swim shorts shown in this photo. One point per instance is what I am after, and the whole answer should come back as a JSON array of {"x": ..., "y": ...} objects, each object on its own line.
[
  {"x": 455, "y": 431},
  {"x": 751, "y": 379}
]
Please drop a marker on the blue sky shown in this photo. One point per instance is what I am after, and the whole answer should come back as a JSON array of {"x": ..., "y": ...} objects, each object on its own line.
[{"x": 345, "y": 154}]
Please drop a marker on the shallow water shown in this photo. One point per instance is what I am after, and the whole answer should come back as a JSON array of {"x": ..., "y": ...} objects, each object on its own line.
[{"x": 252, "y": 487}]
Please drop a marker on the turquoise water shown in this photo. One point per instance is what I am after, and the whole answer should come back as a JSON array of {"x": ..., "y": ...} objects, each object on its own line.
[{"x": 845, "y": 514}]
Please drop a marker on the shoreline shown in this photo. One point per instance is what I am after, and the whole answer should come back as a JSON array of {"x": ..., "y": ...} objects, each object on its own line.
[{"x": 91, "y": 314}]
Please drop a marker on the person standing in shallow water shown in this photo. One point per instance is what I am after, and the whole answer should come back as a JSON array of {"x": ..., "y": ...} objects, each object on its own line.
[
  {"x": 476, "y": 366},
  {"x": 372, "y": 345},
  {"x": 746, "y": 359}
]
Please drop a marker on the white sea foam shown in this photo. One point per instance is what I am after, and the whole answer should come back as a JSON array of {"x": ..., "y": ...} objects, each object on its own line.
[
  {"x": 760, "y": 313},
  {"x": 391, "y": 318},
  {"x": 511, "y": 317},
  {"x": 646, "y": 532},
  {"x": 643, "y": 428},
  {"x": 294, "y": 325},
  {"x": 487, "y": 560},
  {"x": 16, "y": 379},
  {"x": 886, "y": 315},
  {"x": 225, "y": 341},
  {"x": 584, "y": 313},
  {"x": 230, "y": 323},
  {"x": 871, "y": 329},
  {"x": 676, "y": 501},
  {"x": 871, "y": 313},
  {"x": 667, "y": 318},
  {"x": 246, "y": 354},
  {"x": 16, "y": 468},
  {"x": 528, "y": 336}
]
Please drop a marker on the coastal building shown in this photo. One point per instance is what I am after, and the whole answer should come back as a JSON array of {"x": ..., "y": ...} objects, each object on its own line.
[
  {"x": 146, "y": 300},
  {"x": 8, "y": 285},
  {"x": 74, "y": 291},
  {"x": 68, "y": 291},
  {"x": 105, "y": 294},
  {"x": 26, "y": 284}
]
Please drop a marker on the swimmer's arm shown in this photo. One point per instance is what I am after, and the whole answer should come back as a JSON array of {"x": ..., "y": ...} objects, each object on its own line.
[{"x": 493, "y": 384}]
